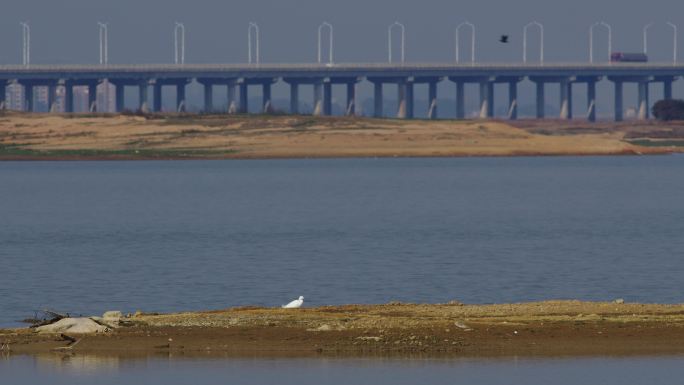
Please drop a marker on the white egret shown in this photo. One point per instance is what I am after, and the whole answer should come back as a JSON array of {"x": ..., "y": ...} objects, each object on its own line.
[{"x": 294, "y": 304}]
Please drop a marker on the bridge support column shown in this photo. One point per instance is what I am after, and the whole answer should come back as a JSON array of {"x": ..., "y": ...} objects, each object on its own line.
[
  {"x": 565, "y": 99},
  {"x": 104, "y": 107},
  {"x": 180, "y": 97},
  {"x": 318, "y": 99},
  {"x": 377, "y": 99},
  {"x": 232, "y": 108},
  {"x": 541, "y": 100},
  {"x": 460, "y": 100},
  {"x": 667, "y": 89},
  {"x": 92, "y": 97},
  {"x": 405, "y": 99},
  {"x": 244, "y": 98},
  {"x": 52, "y": 97},
  {"x": 157, "y": 96},
  {"x": 28, "y": 97},
  {"x": 266, "y": 98},
  {"x": 513, "y": 100},
  {"x": 3, "y": 95},
  {"x": 294, "y": 98},
  {"x": 208, "y": 97},
  {"x": 486, "y": 99},
  {"x": 591, "y": 101},
  {"x": 143, "y": 101},
  {"x": 618, "y": 100},
  {"x": 409, "y": 100},
  {"x": 351, "y": 99},
  {"x": 643, "y": 100},
  {"x": 432, "y": 100},
  {"x": 327, "y": 98},
  {"x": 401, "y": 100},
  {"x": 119, "y": 97},
  {"x": 68, "y": 97}
]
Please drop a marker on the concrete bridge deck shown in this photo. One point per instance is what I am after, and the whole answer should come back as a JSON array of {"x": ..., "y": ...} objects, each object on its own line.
[{"x": 323, "y": 76}]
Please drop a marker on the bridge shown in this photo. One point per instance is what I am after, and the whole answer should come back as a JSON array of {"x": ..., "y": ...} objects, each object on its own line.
[{"x": 239, "y": 77}]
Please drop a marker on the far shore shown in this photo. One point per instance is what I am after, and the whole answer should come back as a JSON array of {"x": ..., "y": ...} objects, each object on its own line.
[
  {"x": 538, "y": 329},
  {"x": 192, "y": 136}
]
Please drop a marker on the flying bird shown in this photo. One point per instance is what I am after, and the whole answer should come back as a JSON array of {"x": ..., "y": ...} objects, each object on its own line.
[
  {"x": 503, "y": 39},
  {"x": 294, "y": 304}
]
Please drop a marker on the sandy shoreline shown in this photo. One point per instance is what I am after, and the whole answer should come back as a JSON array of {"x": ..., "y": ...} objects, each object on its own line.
[
  {"x": 130, "y": 137},
  {"x": 552, "y": 328}
]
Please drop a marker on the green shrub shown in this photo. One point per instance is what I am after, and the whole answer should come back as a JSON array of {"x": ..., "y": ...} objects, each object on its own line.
[{"x": 669, "y": 110}]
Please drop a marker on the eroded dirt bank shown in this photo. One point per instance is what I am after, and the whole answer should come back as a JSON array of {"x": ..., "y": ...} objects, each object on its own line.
[{"x": 554, "y": 328}]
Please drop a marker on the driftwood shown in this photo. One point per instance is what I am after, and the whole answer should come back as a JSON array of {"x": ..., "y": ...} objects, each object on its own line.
[
  {"x": 72, "y": 342},
  {"x": 49, "y": 317},
  {"x": 67, "y": 338}
]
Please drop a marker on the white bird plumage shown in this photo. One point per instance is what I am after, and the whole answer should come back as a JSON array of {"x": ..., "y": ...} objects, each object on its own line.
[{"x": 294, "y": 304}]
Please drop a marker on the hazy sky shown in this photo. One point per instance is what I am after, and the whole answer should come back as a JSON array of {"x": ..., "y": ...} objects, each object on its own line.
[{"x": 65, "y": 31}]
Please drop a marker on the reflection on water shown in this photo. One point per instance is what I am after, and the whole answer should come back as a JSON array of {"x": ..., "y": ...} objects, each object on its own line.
[
  {"x": 77, "y": 363},
  {"x": 60, "y": 369}
]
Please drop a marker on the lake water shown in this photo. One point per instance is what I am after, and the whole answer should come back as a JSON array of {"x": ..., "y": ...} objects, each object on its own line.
[
  {"x": 63, "y": 370},
  {"x": 85, "y": 237}
]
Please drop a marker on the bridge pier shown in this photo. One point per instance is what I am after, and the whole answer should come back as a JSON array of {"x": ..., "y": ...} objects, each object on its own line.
[
  {"x": 566, "y": 99},
  {"x": 460, "y": 100},
  {"x": 68, "y": 97},
  {"x": 618, "y": 100},
  {"x": 405, "y": 99},
  {"x": 512, "y": 100},
  {"x": 243, "y": 107},
  {"x": 208, "y": 97},
  {"x": 591, "y": 101},
  {"x": 180, "y": 96},
  {"x": 643, "y": 100},
  {"x": 157, "y": 96},
  {"x": 294, "y": 98},
  {"x": 318, "y": 98},
  {"x": 92, "y": 96},
  {"x": 667, "y": 89},
  {"x": 541, "y": 100},
  {"x": 143, "y": 99},
  {"x": 232, "y": 108},
  {"x": 327, "y": 98},
  {"x": 119, "y": 89},
  {"x": 27, "y": 102},
  {"x": 432, "y": 100},
  {"x": 667, "y": 85},
  {"x": 378, "y": 102},
  {"x": 351, "y": 99},
  {"x": 51, "y": 96},
  {"x": 3, "y": 95},
  {"x": 266, "y": 98},
  {"x": 486, "y": 99},
  {"x": 322, "y": 97}
]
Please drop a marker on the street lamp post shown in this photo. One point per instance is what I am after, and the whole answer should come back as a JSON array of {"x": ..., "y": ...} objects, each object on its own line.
[
  {"x": 472, "y": 40},
  {"x": 541, "y": 31},
  {"x": 403, "y": 40},
  {"x": 104, "y": 43},
  {"x": 591, "y": 39},
  {"x": 179, "y": 39},
  {"x": 330, "y": 48},
  {"x": 645, "y": 34},
  {"x": 104, "y": 60},
  {"x": 26, "y": 39},
  {"x": 253, "y": 27},
  {"x": 674, "y": 42}
]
